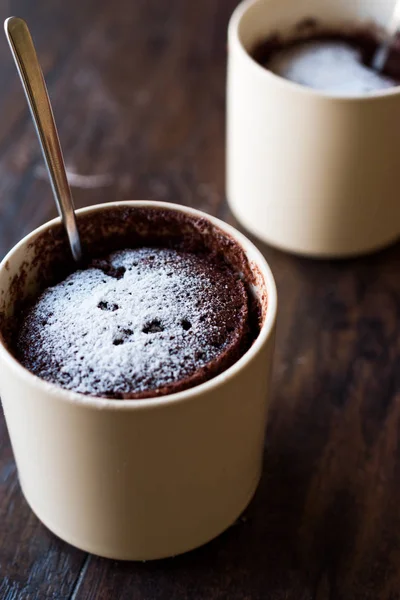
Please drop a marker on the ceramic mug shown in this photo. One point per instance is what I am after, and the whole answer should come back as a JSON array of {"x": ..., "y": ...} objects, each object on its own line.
[
  {"x": 308, "y": 172},
  {"x": 135, "y": 479}
]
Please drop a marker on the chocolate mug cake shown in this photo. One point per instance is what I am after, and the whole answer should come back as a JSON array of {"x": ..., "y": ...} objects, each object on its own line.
[
  {"x": 151, "y": 319},
  {"x": 167, "y": 298},
  {"x": 336, "y": 61}
]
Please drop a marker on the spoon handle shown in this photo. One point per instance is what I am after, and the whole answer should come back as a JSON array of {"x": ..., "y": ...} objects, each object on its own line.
[
  {"x": 382, "y": 53},
  {"x": 32, "y": 80}
]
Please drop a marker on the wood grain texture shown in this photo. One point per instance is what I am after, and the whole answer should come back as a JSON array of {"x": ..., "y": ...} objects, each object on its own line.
[{"x": 139, "y": 91}]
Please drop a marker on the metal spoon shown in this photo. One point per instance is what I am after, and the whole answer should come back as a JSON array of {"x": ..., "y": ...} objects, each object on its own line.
[
  {"x": 32, "y": 80},
  {"x": 382, "y": 53}
]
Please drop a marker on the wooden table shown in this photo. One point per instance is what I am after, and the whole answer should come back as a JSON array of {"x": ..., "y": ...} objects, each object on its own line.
[{"x": 138, "y": 92}]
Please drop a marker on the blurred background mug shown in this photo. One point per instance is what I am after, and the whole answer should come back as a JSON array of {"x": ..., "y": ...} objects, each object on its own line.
[{"x": 307, "y": 172}]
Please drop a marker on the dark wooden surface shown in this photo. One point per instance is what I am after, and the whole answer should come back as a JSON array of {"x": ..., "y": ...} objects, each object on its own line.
[{"x": 138, "y": 92}]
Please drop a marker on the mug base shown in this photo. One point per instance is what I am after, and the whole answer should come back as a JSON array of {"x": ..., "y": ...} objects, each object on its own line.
[
  {"x": 135, "y": 554},
  {"x": 318, "y": 254}
]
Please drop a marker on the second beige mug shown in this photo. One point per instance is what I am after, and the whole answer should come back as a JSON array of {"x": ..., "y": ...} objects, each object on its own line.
[{"x": 307, "y": 172}]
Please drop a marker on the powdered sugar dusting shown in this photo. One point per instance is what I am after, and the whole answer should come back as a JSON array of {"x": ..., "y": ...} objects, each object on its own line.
[
  {"x": 141, "y": 320},
  {"x": 333, "y": 67}
]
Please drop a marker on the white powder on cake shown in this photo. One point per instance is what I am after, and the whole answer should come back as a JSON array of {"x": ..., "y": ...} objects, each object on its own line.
[
  {"x": 154, "y": 324},
  {"x": 332, "y": 67}
]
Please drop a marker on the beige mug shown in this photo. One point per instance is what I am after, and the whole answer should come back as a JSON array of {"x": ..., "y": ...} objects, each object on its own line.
[
  {"x": 135, "y": 479},
  {"x": 308, "y": 172}
]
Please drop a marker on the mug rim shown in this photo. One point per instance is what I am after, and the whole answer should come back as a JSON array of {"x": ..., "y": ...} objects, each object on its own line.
[
  {"x": 235, "y": 42},
  {"x": 158, "y": 401}
]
